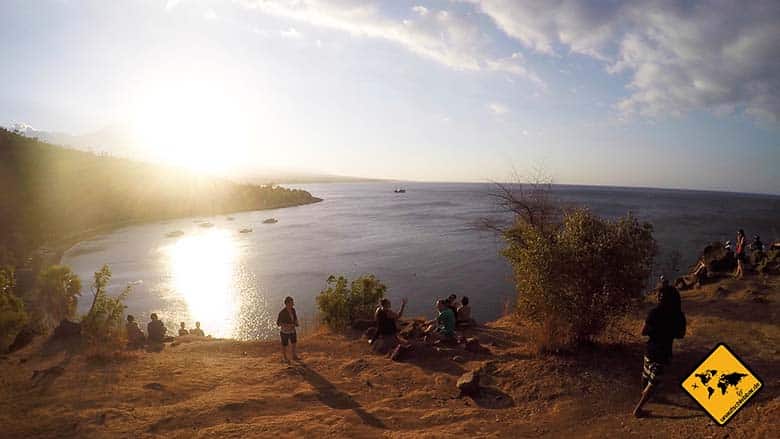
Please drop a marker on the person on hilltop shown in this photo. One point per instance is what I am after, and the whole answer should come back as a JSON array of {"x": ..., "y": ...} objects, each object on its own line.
[
  {"x": 463, "y": 314},
  {"x": 757, "y": 245},
  {"x": 452, "y": 303},
  {"x": 664, "y": 323},
  {"x": 740, "y": 253},
  {"x": 156, "y": 330},
  {"x": 444, "y": 327},
  {"x": 183, "y": 330},
  {"x": 287, "y": 321},
  {"x": 135, "y": 337},
  {"x": 387, "y": 325},
  {"x": 197, "y": 331}
]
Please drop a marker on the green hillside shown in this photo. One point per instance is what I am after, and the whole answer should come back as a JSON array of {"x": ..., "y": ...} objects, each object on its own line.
[{"x": 49, "y": 193}]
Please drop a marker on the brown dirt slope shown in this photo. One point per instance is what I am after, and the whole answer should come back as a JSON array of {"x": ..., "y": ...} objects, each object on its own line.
[{"x": 224, "y": 388}]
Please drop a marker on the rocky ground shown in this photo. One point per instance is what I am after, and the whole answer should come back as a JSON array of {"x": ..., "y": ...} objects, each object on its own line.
[{"x": 224, "y": 388}]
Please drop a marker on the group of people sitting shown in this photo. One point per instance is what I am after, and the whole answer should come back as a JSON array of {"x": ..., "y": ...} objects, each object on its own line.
[
  {"x": 156, "y": 331},
  {"x": 451, "y": 314}
]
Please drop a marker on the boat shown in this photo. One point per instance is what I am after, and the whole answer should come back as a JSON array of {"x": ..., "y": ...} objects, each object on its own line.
[
  {"x": 247, "y": 230},
  {"x": 270, "y": 221},
  {"x": 205, "y": 224},
  {"x": 174, "y": 234},
  {"x": 400, "y": 191}
]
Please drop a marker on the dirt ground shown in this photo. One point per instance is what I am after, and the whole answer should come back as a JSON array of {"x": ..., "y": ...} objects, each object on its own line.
[{"x": 226, "y": 388}]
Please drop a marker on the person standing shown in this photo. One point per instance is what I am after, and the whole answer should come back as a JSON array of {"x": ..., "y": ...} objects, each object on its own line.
[
  {"x": 664, "y": 323},
  {"x": 741, "y": 257},
  {"x": 183, "y": 330},
  {"x": 287, "y": 321}
]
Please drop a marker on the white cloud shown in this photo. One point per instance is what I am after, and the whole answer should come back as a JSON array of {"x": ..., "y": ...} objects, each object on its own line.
[
  {"x": 717, "y": 55},
  {"x": 422, "y": 10},
  {"x": 452, "y": 39},
  {"x": 210, "y": 14},
  {"x": 291, "y": 33},
  {"x": 498, "y": 108}
]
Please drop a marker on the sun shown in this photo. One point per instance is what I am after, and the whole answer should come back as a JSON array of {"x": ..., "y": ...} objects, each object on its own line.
[{"x": 196, "y": 126}]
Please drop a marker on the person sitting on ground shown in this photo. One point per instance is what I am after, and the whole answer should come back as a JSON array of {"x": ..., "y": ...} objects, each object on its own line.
[
  {"x": 452, "y": 303},
  {"x": 664, "y": 323},
  {"x": 757, "y": 245},
  {"x": 464, "y": 312},
  {"x": 197, "y": 331},
  {"x": 156, "y": 330},
  {"x": 183, "y": 330},
  {"x": 287, "y": 321},
  {"x": 444, "y": 328},
  {"x": 387, "y": 324},
  {"x": 135, "y": 337}
]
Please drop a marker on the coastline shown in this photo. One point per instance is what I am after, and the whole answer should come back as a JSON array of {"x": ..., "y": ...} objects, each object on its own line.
[{"x": 58, "y": 248}]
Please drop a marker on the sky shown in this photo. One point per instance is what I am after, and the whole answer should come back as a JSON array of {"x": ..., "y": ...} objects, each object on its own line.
[{"x": 660, "y": 93}]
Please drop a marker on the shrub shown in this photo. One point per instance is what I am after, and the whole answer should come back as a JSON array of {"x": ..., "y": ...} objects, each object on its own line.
[
  {"x": 12, "y": 314},
  {"x": 576, "y": 273},
  {"x": 102, "y": 326},
  {"x": 342, "y": 302},
  {"x": 56, "y": 295}
]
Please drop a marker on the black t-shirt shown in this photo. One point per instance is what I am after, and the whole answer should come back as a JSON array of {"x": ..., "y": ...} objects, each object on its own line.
[
  {"x": 662, "y": 327},
  {"x": 384, "y": 324}
]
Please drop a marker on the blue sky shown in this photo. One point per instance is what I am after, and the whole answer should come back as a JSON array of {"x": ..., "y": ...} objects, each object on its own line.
[{"x": 652, "y": 93}]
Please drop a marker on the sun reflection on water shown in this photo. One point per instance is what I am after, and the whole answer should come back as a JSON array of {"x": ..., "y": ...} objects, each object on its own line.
[{"x": 202, "y": 269}]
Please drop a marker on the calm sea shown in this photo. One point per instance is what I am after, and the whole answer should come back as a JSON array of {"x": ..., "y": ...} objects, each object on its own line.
[{"x": 422, "y": 244}]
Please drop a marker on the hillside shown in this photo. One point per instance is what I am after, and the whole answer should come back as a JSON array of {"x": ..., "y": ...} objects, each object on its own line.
[
  {"x": 50, "y": 192},
  {"x": 225, "y": 388}
]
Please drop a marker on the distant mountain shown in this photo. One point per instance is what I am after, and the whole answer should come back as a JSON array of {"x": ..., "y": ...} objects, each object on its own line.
[{"x": 117, "y": 141}]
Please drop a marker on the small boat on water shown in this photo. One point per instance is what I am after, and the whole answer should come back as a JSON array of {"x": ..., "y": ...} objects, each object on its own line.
[
  {"x": 174, "y": 234},
  {"x": 270, "y": 221},
  {"x": 245, "y": 230},
  {"x": 400, "y": 191},
  {"x": 205, "y": 224}
]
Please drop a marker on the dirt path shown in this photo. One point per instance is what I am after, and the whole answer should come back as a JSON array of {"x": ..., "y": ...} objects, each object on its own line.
[{"x": 224, "y": 388}]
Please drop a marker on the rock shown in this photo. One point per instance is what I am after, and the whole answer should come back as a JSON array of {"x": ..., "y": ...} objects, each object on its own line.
[
  {"x": 468, "y": 384},
  {"x": 154, "y": 386},
  {"x": 717, "y": 259},
  {"x": 411, "y": 331},
  {"x": 472, "y": 345},
  {"x": 67, "y": 329},
  {"x": 355, "y": 367},
  {"x": 22, "y": 339},
  {"x": 458, "y": 359},
  {"x": 362, "y": 324}
]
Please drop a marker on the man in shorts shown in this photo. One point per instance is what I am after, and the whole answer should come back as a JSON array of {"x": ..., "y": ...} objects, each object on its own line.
[{"x": 287, "y": 321}]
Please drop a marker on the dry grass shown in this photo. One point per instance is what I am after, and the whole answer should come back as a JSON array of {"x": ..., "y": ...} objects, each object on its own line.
[{"x": 225, "y": 388}]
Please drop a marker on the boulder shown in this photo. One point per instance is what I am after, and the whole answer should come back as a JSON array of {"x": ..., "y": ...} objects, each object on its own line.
[
  {"x": 468, "y": 384},
  {"x": 411, "y": 330},
  {"x": 22, "y": 339},
  {"x": 67, "y": 329},
  {"x": 718, "y": 259}
]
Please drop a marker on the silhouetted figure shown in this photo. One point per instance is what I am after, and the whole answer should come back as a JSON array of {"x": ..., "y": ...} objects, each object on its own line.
[
  {"x": 183, "y": 330},
  {"x": 463, "y": 314},
  {"x": 740, "y": 253},
  {"x": 287, "y": 321},
  {"x": 443, "y": 329},
  {"x": 757, "y": 245},
  {"x": 452, "y": 303},
  {"x": 135, "y": 337},
  {"x": 387, "y": 325},
  {"x": 664, "y": 323},
  {"x": 197, "y": 331},
  {"x": 156, "y": 330}
]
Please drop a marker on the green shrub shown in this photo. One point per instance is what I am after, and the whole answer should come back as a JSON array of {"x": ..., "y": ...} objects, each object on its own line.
[
  {"x": 342, "y": 302},
  {"x": 578, "y": 273},
  {"x": 56, "y": 295},
  {"x": 12, "y": 314},
  {"x": 103, "y": 325}
]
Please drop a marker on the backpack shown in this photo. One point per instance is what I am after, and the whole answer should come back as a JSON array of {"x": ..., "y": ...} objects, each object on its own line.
[{"x": 681, "y": 326}]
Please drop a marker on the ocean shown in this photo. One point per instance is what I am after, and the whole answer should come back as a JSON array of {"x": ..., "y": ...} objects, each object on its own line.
[{"x": 423, "y": 244}]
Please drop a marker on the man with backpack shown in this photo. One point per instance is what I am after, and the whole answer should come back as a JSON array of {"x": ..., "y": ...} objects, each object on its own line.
[{"x": 664, "y": 323}]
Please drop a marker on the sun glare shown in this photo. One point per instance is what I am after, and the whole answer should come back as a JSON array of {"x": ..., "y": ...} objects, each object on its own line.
[
  {"x": 202, "y": 269},
  {"x": 193, "y": 126}
]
